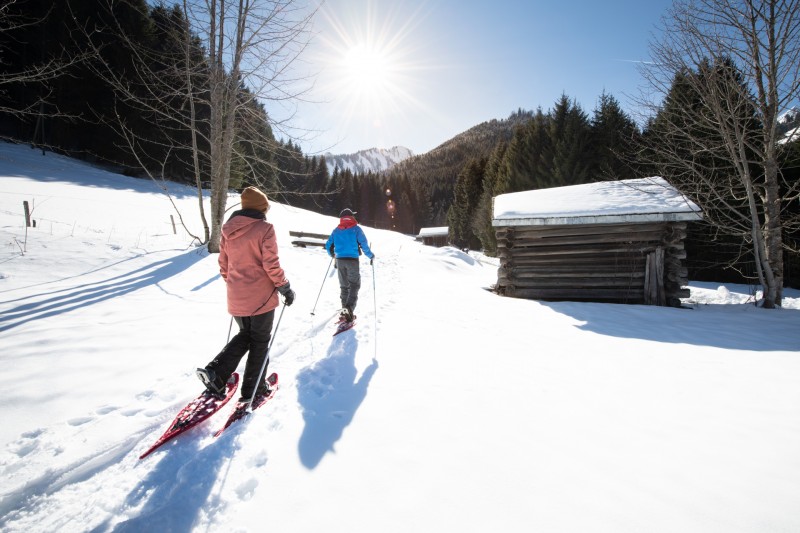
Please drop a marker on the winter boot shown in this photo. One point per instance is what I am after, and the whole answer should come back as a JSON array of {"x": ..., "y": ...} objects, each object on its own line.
[
  {"x": 263, "y": 389},
  {"x": 213, "y": 383}
]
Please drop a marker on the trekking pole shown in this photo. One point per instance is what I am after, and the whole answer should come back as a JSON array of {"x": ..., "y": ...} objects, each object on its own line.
[
  {"x": 230, "y": 328},
  {"x": 266, "y": 359},
  {"x": 320, "y": 288},
  {"x": 375, "y": 314}
]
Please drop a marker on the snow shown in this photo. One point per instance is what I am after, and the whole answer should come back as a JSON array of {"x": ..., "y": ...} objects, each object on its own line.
[
  {"x": 447, "y": 408},
  {"x": 643, "y": 199},
  {"x": 433, "y": 232}
]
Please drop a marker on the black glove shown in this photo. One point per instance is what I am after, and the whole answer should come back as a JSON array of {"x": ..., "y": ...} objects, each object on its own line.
[
  {"x": 288, "y": 294},
  {"x": 371, "y": 259}
]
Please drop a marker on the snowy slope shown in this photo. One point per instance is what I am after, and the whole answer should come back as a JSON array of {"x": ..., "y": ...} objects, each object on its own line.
[
  {"x": 446, "y": 408},
  {"x": 372, "y": 160}
]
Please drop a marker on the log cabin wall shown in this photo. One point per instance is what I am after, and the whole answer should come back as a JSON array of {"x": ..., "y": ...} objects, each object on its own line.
[{"x": 639, "y": 263}]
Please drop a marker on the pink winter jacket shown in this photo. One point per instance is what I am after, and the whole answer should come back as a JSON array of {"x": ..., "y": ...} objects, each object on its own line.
[{"x": 248, "y": 262}]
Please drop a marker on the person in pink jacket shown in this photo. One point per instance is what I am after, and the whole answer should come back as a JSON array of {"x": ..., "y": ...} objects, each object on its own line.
[{"x": 248, "y": 262}]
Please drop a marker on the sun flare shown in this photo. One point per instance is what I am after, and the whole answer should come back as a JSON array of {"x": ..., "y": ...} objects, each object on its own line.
[
  {"x": 372, "y": 65},
  {"x": 366, "y": 67}
]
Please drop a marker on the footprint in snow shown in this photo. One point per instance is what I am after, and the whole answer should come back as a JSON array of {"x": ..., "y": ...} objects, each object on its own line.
[
  {"x": 21, "y": 449},
  {"x": 258, "y": 460},
  {"x": 145, "y": 395},
  {"x": 33, "y": 434},
  {"x": 79, "y": 421},
  {"x": 27, "y": 443},
  {"x": 245, "y": 490}
]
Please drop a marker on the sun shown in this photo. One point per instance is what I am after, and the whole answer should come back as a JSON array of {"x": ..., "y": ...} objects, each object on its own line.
[
  {"x": 374, "y": 66},
  {"x": 366, "y": 67}
]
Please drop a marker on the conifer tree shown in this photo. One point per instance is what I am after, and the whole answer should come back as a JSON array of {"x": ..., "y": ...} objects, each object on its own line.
[
  {"x": 467, "y": 192},
  {"x": 615, "y": 137},
  {"x": 570, "y": 156},
  {"x": 494, "y": 183}
]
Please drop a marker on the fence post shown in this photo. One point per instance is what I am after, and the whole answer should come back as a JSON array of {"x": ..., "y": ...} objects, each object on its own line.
[
  {"x": 27, "y": 213},
  {"x": 174, "y": 230}
]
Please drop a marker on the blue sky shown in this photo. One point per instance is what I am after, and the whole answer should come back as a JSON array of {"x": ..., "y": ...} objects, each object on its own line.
[{"x": 415, "y": 73}]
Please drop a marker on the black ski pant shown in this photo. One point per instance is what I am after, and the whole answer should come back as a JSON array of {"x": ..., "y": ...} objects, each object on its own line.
[
  {"x": 349, "y": 280},
  {"x": 253, "y": 337}
]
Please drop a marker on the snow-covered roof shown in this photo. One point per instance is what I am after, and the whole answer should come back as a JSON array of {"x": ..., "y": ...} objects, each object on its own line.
[
  {"x": 433, "y": 232},
  {"x": 608, "y": 202}
]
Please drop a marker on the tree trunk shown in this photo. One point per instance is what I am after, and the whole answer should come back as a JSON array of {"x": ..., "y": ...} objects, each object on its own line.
[{"x": 773, "y": 292}]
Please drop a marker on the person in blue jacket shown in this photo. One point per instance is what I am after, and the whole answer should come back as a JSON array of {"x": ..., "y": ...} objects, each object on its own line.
[{"x": 346, "y": 244}]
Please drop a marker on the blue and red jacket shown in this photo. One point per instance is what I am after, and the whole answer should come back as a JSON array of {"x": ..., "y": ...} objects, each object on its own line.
[{"x": 348, "y": 240}]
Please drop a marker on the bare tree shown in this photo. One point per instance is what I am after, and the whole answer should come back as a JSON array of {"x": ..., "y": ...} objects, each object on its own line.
[
  {"x": 251, "y": 43},
  {"x": 740, "y": 63},
  {"x": 226, "y": 60}
]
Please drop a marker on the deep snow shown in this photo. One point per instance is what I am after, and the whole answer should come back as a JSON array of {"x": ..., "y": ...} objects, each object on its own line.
[{"x": 447, "y": 408}]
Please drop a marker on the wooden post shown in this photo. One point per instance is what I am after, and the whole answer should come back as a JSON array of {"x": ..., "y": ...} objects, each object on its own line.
[
  {"x": 27, "y": 213},
  {"x": 654, "y": 278},
  {"x": 174, "y": 230}
]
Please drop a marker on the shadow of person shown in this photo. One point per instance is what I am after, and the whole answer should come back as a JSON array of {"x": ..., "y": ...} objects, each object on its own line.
[
  {"x": 330, "y": 392},
  {"x": 176, "y": 490}
]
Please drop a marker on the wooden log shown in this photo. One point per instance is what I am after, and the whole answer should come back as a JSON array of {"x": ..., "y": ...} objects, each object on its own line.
[
  {"x": 674, "y": 235},
  {"x": 532, "y": 259},
  {"x": 575, "y": 283},
  {"x": 302, "y": 234},
  {"x": 676, "y": 254},
  {"x": 582, "y": 229},
  {"x": 572, "y": 274},
  {"x": 590, "y": 270},
  {"x": 304, "y": 243},
  {"x": 678, "y": 275},
  {"x": 631, "y": 296},
  {"x": 682, "y": 293},
  {"x": 577, "y": 240},
  {"x": 573, "y": 250}
]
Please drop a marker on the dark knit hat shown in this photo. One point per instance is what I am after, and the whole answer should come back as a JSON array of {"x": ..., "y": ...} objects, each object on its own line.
[
  {"x": 252, "y": 198},
  {"x": 347, "y": 213}
]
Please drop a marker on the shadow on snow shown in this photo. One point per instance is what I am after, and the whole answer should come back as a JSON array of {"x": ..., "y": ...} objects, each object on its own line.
[
  {"x": 178, "y": 488},
  {"x": 747, "y": 328},
  {"x": 48, "y": 304},
  {"x": 330, "y": 395}
]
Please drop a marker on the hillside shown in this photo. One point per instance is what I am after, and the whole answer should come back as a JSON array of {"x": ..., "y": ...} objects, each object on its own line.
[
  {"x": 444, "y": 162},
  {"x": 447, "y": 408}
]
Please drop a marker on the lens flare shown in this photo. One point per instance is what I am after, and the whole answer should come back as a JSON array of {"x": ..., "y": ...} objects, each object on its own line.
[{"x": 373, "y": 65}]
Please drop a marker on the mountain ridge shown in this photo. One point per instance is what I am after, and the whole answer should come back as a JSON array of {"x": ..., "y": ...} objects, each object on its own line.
[{"x": 375, "y": 160}]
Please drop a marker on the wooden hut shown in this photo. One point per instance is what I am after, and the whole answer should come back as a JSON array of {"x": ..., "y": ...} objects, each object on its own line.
[
  {"x": 617, "y": 241},
  {"x": 434, "y": 236}
]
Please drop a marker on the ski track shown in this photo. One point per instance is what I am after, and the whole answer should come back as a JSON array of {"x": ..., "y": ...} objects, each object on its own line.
[{"x": 47, "y": 481}]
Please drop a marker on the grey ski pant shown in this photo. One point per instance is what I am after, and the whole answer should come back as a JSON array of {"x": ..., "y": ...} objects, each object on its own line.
[{"x": 349, "y": 280}]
